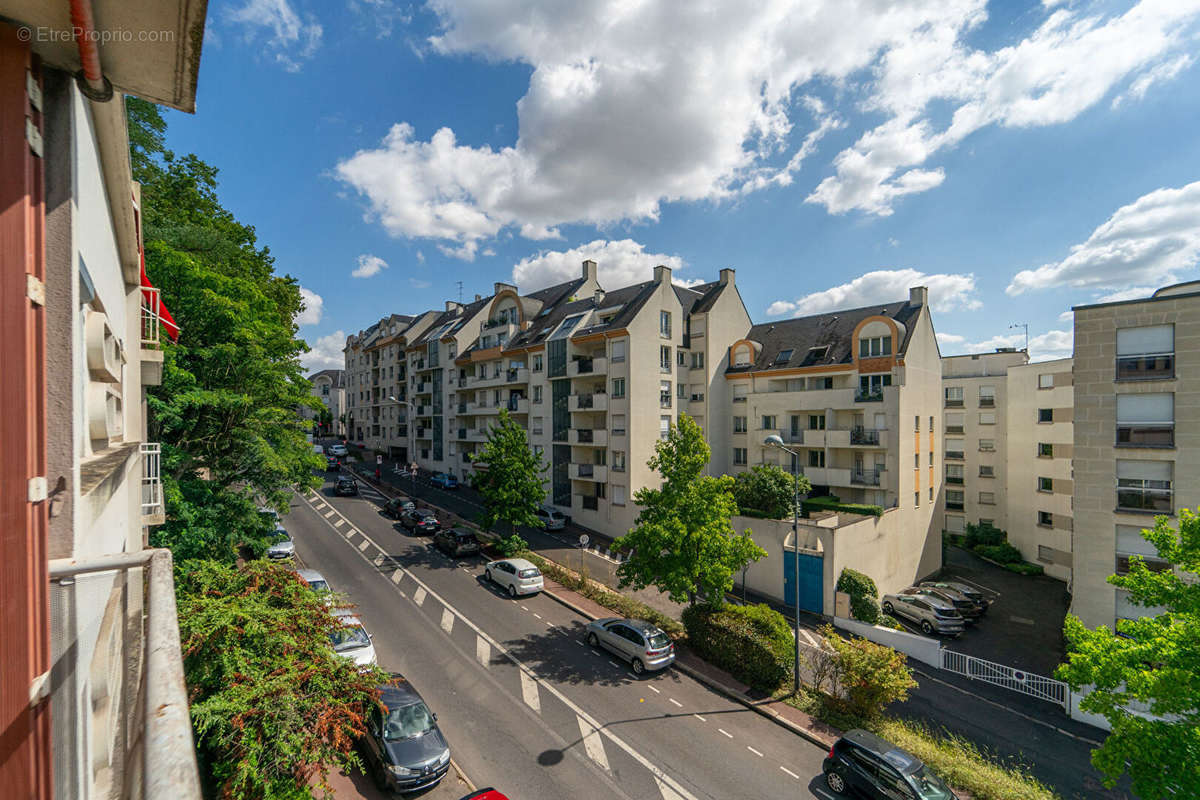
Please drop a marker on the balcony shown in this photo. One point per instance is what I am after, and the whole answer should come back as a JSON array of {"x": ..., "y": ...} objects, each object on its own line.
[
  {"x": 827, "y": 476},
  {"x": 424, "y": 411},
  {"x": 865, "y": 436},
  {"x": 954, "y": 403},
  {"x": 486, "y": 408},
  {"x": 424, "y": 433},
  {"x": 987, "y": 402},
  {"x": 954, "y": 455},
  {"x": 589, "y": 437},
  {"x": 488, "y": 379},
  {"x": 517, "y": 405},
  {"x": 151, "y": 345},
  {"x": 589, "y": 402},
  {"x": 954, "y": 429},
  {"x": 462, "y": 408},
  {"x": 872, "y": 396},
  {"x": 955, "y": 480},
  {"x": 596, "y": 365},
  {"x": 589, "y": 472},
  {"x": 589, "y": 502},
  {"x": 424, "y": 387},
  {"x": 516, "y": 375},
  {"x": 153, "y": 510},
  {"x": 865, "y": 477}
]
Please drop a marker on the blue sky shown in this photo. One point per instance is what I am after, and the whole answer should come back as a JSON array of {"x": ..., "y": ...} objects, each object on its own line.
[{"x": 1017, "y": 158}]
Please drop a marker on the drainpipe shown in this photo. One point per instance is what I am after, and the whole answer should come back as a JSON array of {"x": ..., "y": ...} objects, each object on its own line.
[{"x": 90, "y": 78}]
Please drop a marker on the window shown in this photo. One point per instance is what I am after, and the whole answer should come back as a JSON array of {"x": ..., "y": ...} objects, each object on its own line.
[
  {"x": 931, "y": 494},
  {"x": 1045, "y": 485},
  {"x": 820, "y": 383},
  {"x": 768, "y": 422},
  {"x": 1146, "y": 353},
  {"x": 1046, "y": 380},
  {"x": 739, "y": 424},
  {"x": 664, "y": 359},
  {"x": 697, "y": 360},
  {"x": 916, "y": 499},
  {"x": 566, "y": 326},
  {"x": 618, "y": 498},
  {"x": 916, "y": 460},
  {"x": 1146, "y": 420},
  {"x": 954, "y": 397},
  {"x": 538, "y": 450},
  {"x": 816, "y": 422},
  {"x": 987, "y": 445},
  {"x": 1130, "y": 542},
  {"x": 987, "y": 417},
  {"x": 618, "y": 350},
  {"x": 954, "y": 449},
  {"x": 601, "y": 490},
  {"x": 664, "y": 324},
  {"x": 783, "y": 357},
  {"x": 537, "y": 394},
  {"x": 1045, "y": 415},
  {"x": 955, "y": 523},
  {"x": 741, "y": 356},
  {"x": 739, "y": 392},
  {"x": 987, "y": 498},
  {"x": 739, "y": 456},
  {"x": 618, "y": 425},
  {"x": 954, "y": 474},
  {"x": 618, "y": 460},
  {"x": 1145, "y": 486},
  {"x": 955, "y": 499},
  {"x": 325, "y": 390},
  {"x": 931, "y": 424},
  {"x": 1045, "y": 519},
  {"x": 876, "y": 346},
  {"x": 816, "y": 458},
  {"x": 931, "y": 458},
  {"x": 664, "y": 423},
  {"x": 618, "y": 387},
  {"x": 987, "y": 471},
  {"x": 664, "y": 394},
  {"x": 917, "y": 424},
  {"x": 954, "y": 423},
  {"x": 870, "y": 387},
  {"x": 1045, "y": 450},
  {"x": 681, "y": 358},
  {"x": 987, "y": 396}
]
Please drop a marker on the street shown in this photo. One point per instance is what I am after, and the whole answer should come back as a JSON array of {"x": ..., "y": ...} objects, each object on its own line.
[{"x": 526, "y": 705}]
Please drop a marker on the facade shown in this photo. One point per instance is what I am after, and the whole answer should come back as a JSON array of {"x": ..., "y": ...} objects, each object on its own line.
[
  {"x": 329, "y": 386},
  {"x": 1135, "y": 437}
]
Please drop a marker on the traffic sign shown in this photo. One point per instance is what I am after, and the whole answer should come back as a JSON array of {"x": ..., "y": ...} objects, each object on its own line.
[
  {"x": 378, "y": 459},
  {"x": 583, "y": 540}
]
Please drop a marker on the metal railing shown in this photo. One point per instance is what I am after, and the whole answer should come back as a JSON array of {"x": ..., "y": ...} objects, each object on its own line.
[
  {"x": 868, "y": 477},
  {"x": 151, "y": 319},
  {"x": 152, "y": 494},
  {"x": 864, "y": 436},
  {"x": 1007, "y": 677}
]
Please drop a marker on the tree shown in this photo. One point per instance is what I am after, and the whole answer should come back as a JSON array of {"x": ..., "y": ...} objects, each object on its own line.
[
  {"x": 768, "y": 490},
  {"x": 272, "y": 704},
  {"x": 510, "y": 482},
  {"x": 865, "y": 677},
  {"x": 325, "y": 419},
  {"x": 1152, "y": 662},
  {"x": 683, "y": 542}
]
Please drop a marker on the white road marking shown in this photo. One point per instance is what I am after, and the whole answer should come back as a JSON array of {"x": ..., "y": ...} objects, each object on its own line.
[
  {"x": 337, "y": 523},
  {"x": 524, "y": 608},
  {"x": 727, "y": 733},
  {"x": 697, "y": 716},
  {"x": 1022, "y": 620},
  {"x": 593, "y": 745},
  {"x": 667, "y": 792},
  {"x": 529, "y": 692},
  {"x": 321, "y": 505},
  {"x": 397, "y": 576},
  {"x": 656, "y": 691},
  {"x": 365, "y": 544},
  {"x": 379, "y": 559},
  {"x": 615, "y": 664},
  {"x": 447, "y": 620},
  {"x": 676, "y": 702},
  {"x": 539, "y": 616},
  {"x": 789, "y": 772},
  {"x": 483, "y": 651},
  {"x": 419, "y": 596},
  {"x": 330, "y": 514},
  {"x": 752, "y": 750}
]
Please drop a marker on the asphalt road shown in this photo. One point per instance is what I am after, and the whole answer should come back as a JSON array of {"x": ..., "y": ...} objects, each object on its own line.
[{"x": 526, "y": 705}]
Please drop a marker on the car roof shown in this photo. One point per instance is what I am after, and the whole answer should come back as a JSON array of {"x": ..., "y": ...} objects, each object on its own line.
[
  {"x": 347, "y": 617},
  {"x": 900, "y": 759},
  {"x": 519, "y": 563},
  {"x": 400, "y": 693},
  {"x": 311, "y": 575},
  {"x": 463, "y": 531}
]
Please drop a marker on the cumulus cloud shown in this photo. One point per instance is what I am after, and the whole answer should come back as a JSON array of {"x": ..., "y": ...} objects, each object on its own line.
[
  {"x": 1132, "y": 293},
  {"x": 1150, "y": 241},
  {"x": 326, "y": 353},
  {"x": 369, "y": 265},
  {"x": 947, "y": 292},
  {"x": 416, "y": 283},
  {"x": 1160, "y": 73},
  {"x": 313, "y": 307},
  {"x": 619, "y": 263},
  {"x": 1044, "y": 347},
  {"x": 287, "y": 37},
  {"x": 1051, "y": 345}
]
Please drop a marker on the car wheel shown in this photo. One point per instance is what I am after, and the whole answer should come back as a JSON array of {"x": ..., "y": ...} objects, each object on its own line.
[
  {"x": 887, "y": 608},
  {"x": 835, "y": 782},
  {"x": 487, "y": 576},
  {"x": 512, "y": 591},
  {"x": 593, "y": 640},
  {"x": 638, "y": 666},
  {"x": 925, "y": 626}
]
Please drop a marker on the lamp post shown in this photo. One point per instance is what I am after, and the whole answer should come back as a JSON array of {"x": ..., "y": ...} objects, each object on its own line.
[
  {"x": 411, "y": 411},
  {"x": 776, "y": 441}
]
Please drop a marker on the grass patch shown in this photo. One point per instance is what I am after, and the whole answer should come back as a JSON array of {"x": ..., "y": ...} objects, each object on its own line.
[{"x": 829, "y": 504}]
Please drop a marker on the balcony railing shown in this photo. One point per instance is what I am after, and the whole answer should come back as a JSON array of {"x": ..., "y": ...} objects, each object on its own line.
[
  {"x": 954, "y": 506},
  {"x": 1139, "y": 495},
  {"x": 869, "y": 477},
  {"x": 954, "y": 429},
  {"x": 987, "y": 402},
  {"x": 954, "y": 403},
  {"x": 955, "y": 480},
  {"x": 584, "y": 401},
  {"x": 151, "y": 319},
  {"x": 462, "y": 408},
  {"x": 584, "y": 434},
  {"x": 864, "y": 436},
  {"x": 153, "y": 510},
  {"x": 954, "y": 455},
  {"x": 875, "y": 396}
]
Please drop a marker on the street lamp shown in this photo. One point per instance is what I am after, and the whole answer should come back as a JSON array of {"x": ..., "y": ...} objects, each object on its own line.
[
  {"x": 776, "y": 441},
  {"x": 411, "y": 411}
]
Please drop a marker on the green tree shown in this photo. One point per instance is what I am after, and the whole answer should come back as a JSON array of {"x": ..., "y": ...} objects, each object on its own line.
[
  {"x": 325, "y": 419},
  {"x": 511, "y": 482},
  {"x": 683, "y": 542},
  {"x": 273, "y": 706},
  {"x": 865, "y": 677},
  {"x": 768, "y": 490},
  {"x": 1153, "y": 663}
]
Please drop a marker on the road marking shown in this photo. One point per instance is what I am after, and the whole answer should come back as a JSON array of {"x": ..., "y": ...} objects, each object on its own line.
[
  {"x": 667, "y": 792},
  {"x": 593, "y": 745},
  {"x": 539, "y": 616},
  {"x": 330, "y": 514},
  {"x": 321, "y": 505},
  {"x": 524, "y": 608},
  {"x": 581, "y": 644},
  {"x": 697, "y": 716},
  {"x": 676, "y": 702},
  {"x": 656, "y": 691},
  {"x": 447, "y": 620},
  {"x": 615, "y": 664},
  {"x": 379, "y": 559},
  {"x": 397, "y": 576},
  {"x": 419, "y": 596},
  {"x": 483, "y": 651},
  {"x": 529, "y": 692},
  {"x": 337, "y": 523},
  {"x": 727, "y": 733},
  {"x": 1022, "y": 620},
  {"x": 789, "y": 772},
  {"x": 362, "y": 548},
  {"x": 752, "y": 750}
]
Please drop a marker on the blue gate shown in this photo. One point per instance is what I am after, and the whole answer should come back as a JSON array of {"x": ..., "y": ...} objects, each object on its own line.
[{"x": 812, "y": 570}]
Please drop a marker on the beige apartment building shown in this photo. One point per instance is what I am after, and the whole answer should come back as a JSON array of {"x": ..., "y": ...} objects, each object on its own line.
[
  {"x": 1136, "y": 436},
  {"x": 329, "y": 386}
]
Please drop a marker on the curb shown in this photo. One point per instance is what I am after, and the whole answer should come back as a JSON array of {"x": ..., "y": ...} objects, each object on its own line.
[{"x": 471, "y": 787}]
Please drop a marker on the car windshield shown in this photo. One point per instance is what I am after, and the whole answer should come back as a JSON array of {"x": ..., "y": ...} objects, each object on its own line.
[
  {"x": 318, "y": 586},
  {"x": 407, "y": 721},
  {"x": 528, "y": 573},
  {"x": 281, "y": 536},
  {"x": 930, "y": 786},
  {"x": 349, "y": 638},
  {"x": 657, "y": 639}
]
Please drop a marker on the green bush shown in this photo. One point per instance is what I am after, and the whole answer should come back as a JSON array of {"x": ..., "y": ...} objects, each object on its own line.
[
  {"x": 867, "y": 677},
  {"x": 984, "y": 535},
  {"x": 1025, "y": 568},
  {"x": 1003, "y": 553},
  {"x": 752, "y": 643},
  {"x": 766, "y": 490},
  {"x": 511, "y": 546},
  {"x": 864, "y": 603},
  {"x": 833, "y": 504}
]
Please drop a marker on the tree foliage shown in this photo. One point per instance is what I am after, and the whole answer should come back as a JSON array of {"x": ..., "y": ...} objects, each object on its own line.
[
  {"x": 273, "y": 706},
  {"x": 863, "y": 677},
  {"x": 1151, "y": 663},
  {"x": 511, "y": 483},
  {"x": 767, "y": 490},
  {"x": 683, "y": 542}
]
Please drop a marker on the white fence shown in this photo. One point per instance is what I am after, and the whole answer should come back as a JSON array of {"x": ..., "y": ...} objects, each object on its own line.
[{"x": 1007, "y": 677}]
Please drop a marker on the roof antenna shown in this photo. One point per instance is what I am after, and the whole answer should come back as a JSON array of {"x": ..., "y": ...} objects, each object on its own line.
[
  {"x": 460, "y": 288},
  {"x": 1024, "y": 325}
]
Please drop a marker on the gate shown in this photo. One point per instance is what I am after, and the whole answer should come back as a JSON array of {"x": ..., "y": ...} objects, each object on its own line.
[
  {"x": 812, "y": 570},
  {"x": 978, "y": 669}
]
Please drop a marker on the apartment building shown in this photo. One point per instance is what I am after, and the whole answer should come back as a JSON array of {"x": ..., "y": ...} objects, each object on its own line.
[
  {"x": 1135, "y": 437},
  {"x": 329, "y": 386},
  {"x": 1008, "y": 442}
]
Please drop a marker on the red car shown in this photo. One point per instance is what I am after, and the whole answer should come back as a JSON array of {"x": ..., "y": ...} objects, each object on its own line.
[{"x": 486, "y": 794}]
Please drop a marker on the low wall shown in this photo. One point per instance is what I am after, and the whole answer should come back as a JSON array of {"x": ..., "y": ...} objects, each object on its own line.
[{"x": 921, "y": 648}]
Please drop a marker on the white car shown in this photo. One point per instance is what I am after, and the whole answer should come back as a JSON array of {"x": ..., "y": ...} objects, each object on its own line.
[
  {"x": 352, "y": 641},
  {"x": 318, "y": 449},
  {"x": 284, "y": 547},
  {"x": 516, "y": 575},
  {"x": 551, "y": 518},
  {"x": 338, "y": 450}
]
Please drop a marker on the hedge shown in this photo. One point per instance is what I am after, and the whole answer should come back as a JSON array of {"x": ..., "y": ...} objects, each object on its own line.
[
  {"x": 1003, "y": 553},
  {"x": 752, "y": 643},
  {"x": 828, "y": 504},
  {"x": 864, "y": 603},
  {"x": 984, "y": 535}
]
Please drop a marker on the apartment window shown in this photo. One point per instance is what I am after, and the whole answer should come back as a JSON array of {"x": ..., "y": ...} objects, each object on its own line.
[
  {"x": 1045, "y": 450},
  {"x": 537, "y": 394},
  {"x": 1146, "y": 353},
  {"x": 601, "y": 490},
  {"x": 681, "y": 358},
  {"x": 820, "y": 383},
  {"x": 931, "y": 494},
  {"x": 870, "y": 387},
  {"x": 618, "y": 350},
  {"x": 739, "y": 424},
  {"x": 954, "y": 397},
  {"x": 931, "y": 424},
  {"x": 1045, "y": 485},
  {"x": 931, "y": 458},
  {"x": 987, "y": 396},
  {"x": 917, "y": 424},
  {"x": 1130, "y": 543},
  {"x": 618, "y": 498},
  {"x": 954, "y": 449},
  {"x": 816, "y": 458},
  {"x": 1046, "y": 380},
  {"x": 987, "y": 471},
  {"x": 325, "y": 390},
  {"x": 916, "y": 460},
  {"x": 1145, "y": 486},
  {"x": 537, "y": 363},
  {"x": 538, "y": 450},
  {"x": 1045, "y": 415},
  {"x": 1146, "y": 420},
  {"x": 681, "y": 391},
  {"x": 916, "y": 499},
  {"x": 987, "y": 417},
  {"x": 664, "y": 324},
  {"x": 816, "y": 422},
  {"x": 955, "y": 523},
  {"x": 664, "y": 424},
  {"x": 618, "y": 460},
  {"x": 664, "y": 359},
  {"x": 739, "y": 392},
  {"x": 1045, "y": 519},
  {"x": 664, "y": 394},
  {"x": 566, "y": 326},
  {"x": 987, "y": 445},
  {"x": 783, "y": 357},
  {"x": 954, "y": 422},
  {"x": 618, "y": 387},
  {"x": 987, "y": 498},
  {"x": 954, "y": 474},
  {"x": 875, "y": 346},
  {"x": 739, "y": 456},
  {"x": 697, "y": 360},
  {"x": 741, "y": 356},
  {"x": 618, "y": 425},
  {"x": 955, "y": 499},
  {"x": 768, "y": 422}
]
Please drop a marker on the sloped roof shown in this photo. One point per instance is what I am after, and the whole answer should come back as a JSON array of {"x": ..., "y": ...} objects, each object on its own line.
[{"x": 337, "y": 377}]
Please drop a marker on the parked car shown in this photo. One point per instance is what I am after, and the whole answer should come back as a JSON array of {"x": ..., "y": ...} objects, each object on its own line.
[
  {"x": 315, "y": 580},
  {"x": 351, "y": 640},
  {"x": 637, "y": 641},
  {"x": 318, "y": 449},
  {"x": 332, "y": 463},
  {"x": 516, "y": 575},
  {"x": 444, "y": 480},
  {"x": 283, "y": 547},
  {"x": 346, "y": 486},
  {"x": 421, "y": 520},
  {"x": 551, "y": 518},
  {"x": 964, "y": 589},
  {"x": 405, "y": 749},
  {"x": 269, "y": 513},
  {"x": 932, "y": 614},
  {"x": 456, "y": 542},
  {"x": 862, "y": 763},
  {"x": 397, "y": 506},
  {"x": 485, "y": 794},
  {"x": 969, "y": 609},
  {"x": 338, "y": 450}
]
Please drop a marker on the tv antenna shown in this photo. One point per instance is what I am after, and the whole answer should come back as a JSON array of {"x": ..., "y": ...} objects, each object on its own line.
[
  {"x": 1025, "y": 327},
  {"x": 460, "y": 288}
]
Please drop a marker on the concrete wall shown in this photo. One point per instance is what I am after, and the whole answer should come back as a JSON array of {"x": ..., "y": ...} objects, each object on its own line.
[
  {"x": 726, "y": 322},
  {"x": 922, "y": 648}
]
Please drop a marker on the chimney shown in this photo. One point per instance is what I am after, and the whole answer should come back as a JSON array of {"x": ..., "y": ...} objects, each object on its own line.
[
  {"x": 478, "y": 297},
  {"x": 727, "y": 276},
  {"x": 598, "y": 297},
  {"x": 919, "y": 295},
  {"x": 589, "y": 270},
  {"x": 662, "y": 274},
  {"x": 453, "y": 306},
  {"x": 500, "y": 287}
]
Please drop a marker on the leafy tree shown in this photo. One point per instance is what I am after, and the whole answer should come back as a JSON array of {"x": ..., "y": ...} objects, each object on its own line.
[
  {"x": 511, "y": 482},
  {"x": 1152, "y": 662},
  {"x": 325, "y": 419},
  {"x": 683, "y": 542},
  {"x": 273, "y": 706},
  {"x": 866, "y": 677},
  {"x": 768, "y": 490}
]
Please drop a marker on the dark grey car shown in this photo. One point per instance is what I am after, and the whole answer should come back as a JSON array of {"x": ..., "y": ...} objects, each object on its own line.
[
  {"x": 405, "y": 749},
  {"x": 931, "y": 614}
]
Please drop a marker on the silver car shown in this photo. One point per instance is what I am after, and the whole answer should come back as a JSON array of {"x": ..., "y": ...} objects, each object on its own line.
[
  {"x": 932, "y": 614},
  {"x": 637, "y": 641},
  {"x": 284, "y": 547},
  {"x": 315, "y": 580}
]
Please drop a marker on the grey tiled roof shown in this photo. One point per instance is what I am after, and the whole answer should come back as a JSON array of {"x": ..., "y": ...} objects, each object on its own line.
[{"x": 337, "y": 377}]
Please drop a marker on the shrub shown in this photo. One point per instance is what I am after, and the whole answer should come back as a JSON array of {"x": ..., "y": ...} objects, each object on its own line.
[
  {"x": 864, "y": 603},
  {"x": 765, "y": 490},
  {"x": 1003, "y": 553},
  {"x": 868, "y": 677},
  {"x": 752, "y": 643},
  {"x": 984, "y": 535},
  {"x": 1025, "y": 568},
  {"x": 832, "y": 504},
  {"x": 511, "y": 546}
]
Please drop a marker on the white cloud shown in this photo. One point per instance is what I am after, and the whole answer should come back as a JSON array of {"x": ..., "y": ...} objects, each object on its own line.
[
  {"x": 313, "y": 307},
  {"x": 420, "y": 257},
  {"x": 1149, "y": 241},
  {"x": 619, "y": 263},
  {"x": 419, "y": 284},
  {"x": 290, "y": 39},
  {"x": 1051, "y": 345},
  {"x": 326, "y": 353},
  {"x": 1160, "y": 73},
  {"x": 1066, "y": 316},
  {"x": 369, "y": 265},
  {"x": 1047, "y": 346},
  {"x": 1132, "y": 293},
  {"x": 947, "y": 292},
  {"x": 949, "y": 339}
]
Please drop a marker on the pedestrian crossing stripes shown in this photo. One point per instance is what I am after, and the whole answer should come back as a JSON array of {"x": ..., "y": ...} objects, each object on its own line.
[
  {"x": 483, "y": 650},
  {"x": 397, "y": 576},
  {"x": 529, "y": 692},
  {"x": 330, "y": 513},
  {"x": 447, "y": 620},
  {"x": 337, "y": 523},
  {"x": 419, "y": 597},
  {"x": 365, "y": 544},
  {"x": 593, "y": 745}
]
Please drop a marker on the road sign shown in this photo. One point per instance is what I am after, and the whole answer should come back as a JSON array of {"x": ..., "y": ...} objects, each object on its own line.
[
  {"x": 583, "y": 540},
  {"x": 378, "y": 459}
]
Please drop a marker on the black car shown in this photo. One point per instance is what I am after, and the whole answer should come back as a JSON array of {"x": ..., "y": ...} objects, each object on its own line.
[
  {"x": 346, "y": 486},
  {"x": 397, "y": 506},
  {"x": 421, "y": 520},
  {"x": 970, "y": 592},
  {"x": 860, "y": 763},
  {"x": 332, "y": 463},
  {"x": 456, "y": 542},
  {"x": 970, "y": 610},
  {"x": 405, "y": 750}
]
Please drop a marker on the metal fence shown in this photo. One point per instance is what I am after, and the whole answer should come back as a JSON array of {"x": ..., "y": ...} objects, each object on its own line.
[
  {"x": 150, "y": 317},
  {"x": 152, "y": 497},
  {"x": 1016, "y": 680}
]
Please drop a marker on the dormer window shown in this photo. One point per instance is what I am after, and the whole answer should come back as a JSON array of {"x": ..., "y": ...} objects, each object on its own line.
[{"x": 875, "y": 346}]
